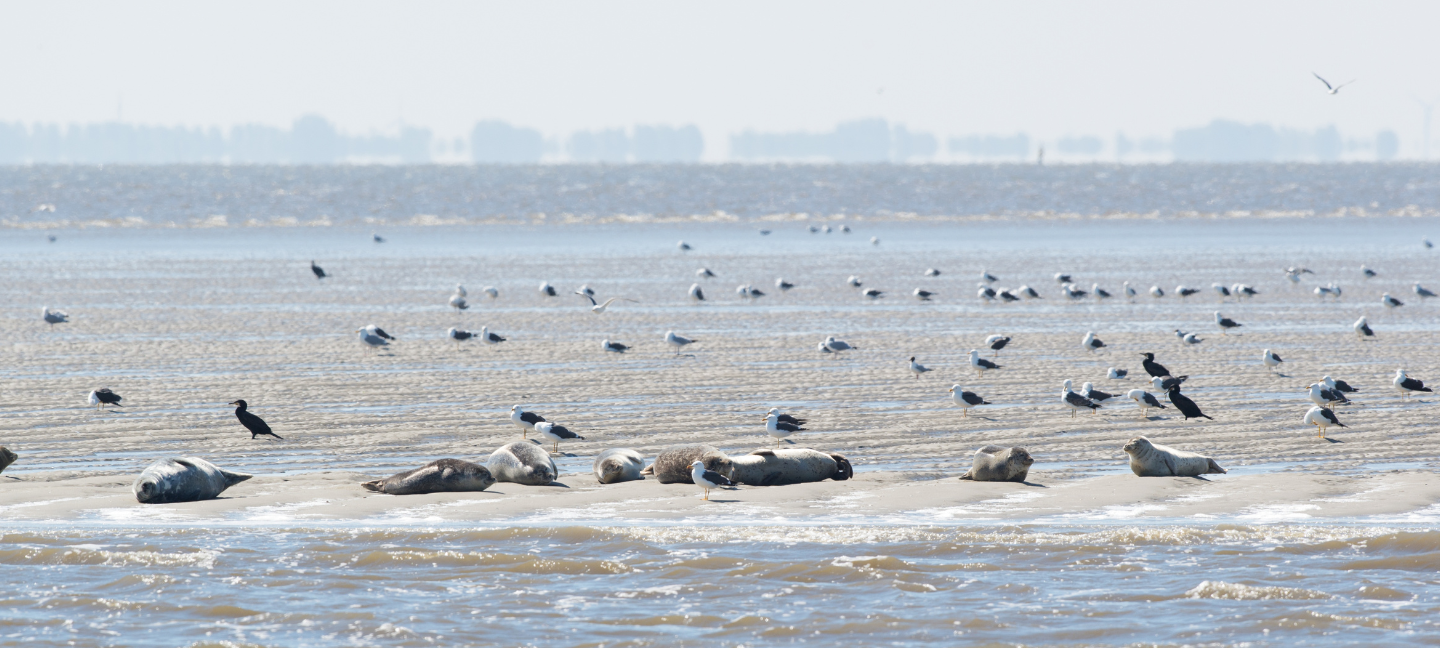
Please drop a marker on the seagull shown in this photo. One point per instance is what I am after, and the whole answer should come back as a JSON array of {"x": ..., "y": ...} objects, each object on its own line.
[
  {"x": 785, "y": 418},
  {"x": 917, "y": 368},
  {"x": 1324, "y": 397},
  {"x": 1242, "y": 290},
  {"x": 1100, "y": 293},
  {"x": 1007, "y": 296},
  {"x": 613, "y": 347},
  {"x": 986, "y": 293},
  {"x": 844, "y": 229},
  {"x": 874, "y": 294},
  {"x": 1225, "y": 323},
  {"x": 854, "y": 281},
  {"x": 319, "y": 271},
  {"x": 524, "y": 420},
  {"x": 1422, "y": 292},
  {"x": 1117, "y": 374},
  {"x": 1362, "y": 328},
  {"x": 102, "y": 397},
  {"x": 1191, "y": 339},
  {"x": 586, "y": 291},
  {"x": 1075, "y": 401},
  {"x": 1369, "y": 274},
  {"x": 457, "y": 301},
  {"x": 779, "y": 430},
  {"x": 1220, "y": 290},
  {"x": 965, "y": 400},
  {"x": 997, "y": 342},
  {"x": 684, "y": 247},
  {"x": 1164, "y": 383},
  {"x": 1072, "y": 292},
  {"x": 374, "y": 335},
  {"x": 53, "y": 317},
  {"x": 1406, "y": 384},
  {"x": 1390, "y": 302},
  {"x": 705, "y": 273},
  {"x": 825, "y": 229},
  {"x": 1425, "y": 241},
  {"x": 600, "y": 308},
  {"x": 1339, "y": 386},
  {"x": 458, "y": 336},
  {"x": 1128, "y": 290},
  {"x": 491, "y": 291},
  {"x": 782, "y": 285},
  {"x": 1091, "y": 343},
  {"x": 764, "y": 232},
  {"x": 677, "y": 341},
  {"x": 932, "y": 272},
  {"x": 460, "y": 290},
  {"x": 832, "y": 345},
  {"x": 1321, "y": 418},
  {"x": 1151, "y": 367},
  {"x": 490, "y": 338},
  {"x": 987, "y": 277},
  {"x": 1185, "y": 292},
  {"x": 1145, "y": 400},
  {"x": 251, "y": 421},
  {"x": 547, "y": 289},
  {"x": 707, "y": 479},
  {"x": 696, "y": 293},
  {"x": 1062, "y": 278},
  {"x": 874, "y": 240},
  {"x": 1155, "y": 291},
  {"x": 813, "y": 229},
  {"x": 1029, "y": 292},
  {"x": 1270, "y": 359},
  {"x": 1326, "y": 291},
  {"x": 1088, "y": 391},
  {"x": 377, "y": 238},
  {"x": 555, "y": 433},
  {"x": 1180, "y": 335},
  {"x": 1187, "y": 407},
  {"x": 1332, "y": 89},
  {"x": 923, "y": 295},
  {"x": 981, "y": 365}
]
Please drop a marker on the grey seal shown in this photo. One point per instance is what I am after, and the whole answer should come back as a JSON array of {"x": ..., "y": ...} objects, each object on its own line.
[
  {"x": 618, "y": 465},
  {"x": 1150, "y": 460},
  {"x": 789, "y": 466},
  {"x": 994, "y": 463},
  {"x": 522, "y": 462},
  {"x": 183, "y": 479},
  {"x": 6, "y": 458},
  {"x": 440, "y": 476},
  {"x": 673, "y": 465}
]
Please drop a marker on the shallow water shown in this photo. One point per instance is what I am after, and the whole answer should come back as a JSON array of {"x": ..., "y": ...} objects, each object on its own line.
[{"x": 694, "y": 586}]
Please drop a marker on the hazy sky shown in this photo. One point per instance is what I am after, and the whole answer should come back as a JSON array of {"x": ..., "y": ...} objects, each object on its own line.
[{"x": 1046, "y": 68}]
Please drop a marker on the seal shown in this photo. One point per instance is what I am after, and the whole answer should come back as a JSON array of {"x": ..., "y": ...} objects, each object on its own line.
[
  {"x": 673, "y": 465},
  {"x": 6, "y": 458},
  {"x": 440, "y": 476},
  {"x": 522, "y": 462},
  {"x": 789, "y": 466},
  {"x": 183, "y": 479},
  {"x": 994, "y": 463},
  {"x": 618, "y": 465},
  {"x": 1150, "y": 460}
]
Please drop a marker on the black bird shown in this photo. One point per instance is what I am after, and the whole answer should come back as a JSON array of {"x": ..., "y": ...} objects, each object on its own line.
[
  {"x": 251, "y": 421},
  {"x": 319, "y": 271},
  {"x": 1187, "y": 407},
  {"x": 103, "y": 396},
  {"x": 378, "y": 238},
  {"x": 923, "y": 295},
  {"x": 1153, "y": 368}
]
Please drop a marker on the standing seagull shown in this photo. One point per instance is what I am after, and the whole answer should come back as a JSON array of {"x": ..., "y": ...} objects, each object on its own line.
[
  {"x": 491, "y": 291},
  {"x": 923, "y": 295},
  {"x": 1406, "y": 384},
  {"x": 490, "y": 338},
  {"x": 1191, "y": 339},
  {"x": 1164, "y": 383},
  {"x": 965, "y": 400},
  {"x": 1062, "y": 278},
  {"x": 1362, "y": 328},
  {"x": 319, "y": 271},
  {"x": 1271, "y": 360},
  {"x": 779, "y": 430},
  {"x": 1422, "y": 292},
  {"x": 1390, "y": 302},
  {"x": 917, "y": 368},
  {"x": 1145, "y": 400},
  {"x": 1225, "y": 323},
  {"x": 785, "y": 418},
  {"x": 613, "y": 347},
  {"x": 932, "y": 272},
  {"x": 705, "y": 273},
  {"x": 1187, "y": 407},
  {"x": 377, "y": 238},
  {"x": 677, "y": 341},
  {"x": 1091, "y": 343},
  {"x": 1075, "y": 401},
  {"x": 555, "y": 433},
  {"x": 1329, "y": 89},
  {"x": 1369, "y": 274},
  {"x": 987, "y": 277},
  {"x": 997, "y": 342},
  {"x": 374, "y": 335},
  {"x": 251, "y": 421},
  {"x": 874, "y": 294},
  {"x": 981, "y": 365},
  {"x": 1321, "y": 418},
  {"x": 103, "y": 396},
  {"x": 1128, "y": 290},
  {"x": 457, "y": 300},
  {"x": 524, "y": 420},
  {"x": 1088, "y": 391},
  {"x": 854, "y": 281},
  {"x": 1220, "y": 290},
  {"x": 1156, "y": 291},
  {"x": 782, "y": 285},
  {"x": 684, "y": 247},
  {"x": 1029, "y": 292},
  {"x": 458, "y": 336},
  {"x": 707, "y": 479},
  {"x": 696, "y": 293},
  {"x": 53, "y": 317},
  {"x": 547, "y": 289},
  {"x": 1324, "y": 397}
]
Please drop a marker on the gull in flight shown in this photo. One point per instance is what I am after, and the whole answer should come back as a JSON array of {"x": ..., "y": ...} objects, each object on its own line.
[
  {"x": 600, "y": 308},
  {"x": 1335, "y": 88}
]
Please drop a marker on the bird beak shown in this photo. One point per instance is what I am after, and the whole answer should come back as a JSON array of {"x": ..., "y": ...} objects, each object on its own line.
[{"x": 951, "y": 390}]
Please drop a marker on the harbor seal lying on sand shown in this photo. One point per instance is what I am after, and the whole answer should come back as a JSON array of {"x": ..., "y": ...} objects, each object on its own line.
[
  {"x": 440, "y": 476},
  {"x": 6, "y": 458},
  {"x": 789, "y": 466},
  {"x": 183, "y": 479},
  {"x": 673, "y": 465},
  {"x": 522, "y": 462},
  {"x": 1150, "y": 460},
  {"x": 994, "y": 463},
  {"x": 618, "y": 465}
]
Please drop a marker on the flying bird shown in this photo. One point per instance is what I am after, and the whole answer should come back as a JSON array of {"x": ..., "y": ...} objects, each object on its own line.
[
  {"x": 600, "y": 308},
  {"x": 1329, "y": 89},
  {"x": 251, "y": 422}
]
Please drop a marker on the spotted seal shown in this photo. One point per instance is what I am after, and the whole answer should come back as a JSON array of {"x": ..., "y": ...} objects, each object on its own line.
[
  {"x": 789, "y": 466},
  {"x": 183, "y": 479},
  {"x": 522, "y": 462},
  {"x": 1150, "y": 460},
  {"x": 440, "y": 476},
  {"x": 673, "y": 465},
  {"x": 7, "y": 457},
  {"x": 994, "y": 463},
  {"x": 618, "y": 465}
]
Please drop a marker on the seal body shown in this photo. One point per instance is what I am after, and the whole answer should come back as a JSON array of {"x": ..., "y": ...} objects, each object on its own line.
[
  {"x": 7, "y": 457},
  {"x": 442, "y": 476},
  {"x": 673, "y": 465},
  {"x": 522, "y": 462},
  {"x": 183, "y": 479},
  {"x": 994, "y": 463},
  {"x": 789, "y": 466},
  {"x": 1150, "y": 460},
  {"x": 618, "y": 465}
]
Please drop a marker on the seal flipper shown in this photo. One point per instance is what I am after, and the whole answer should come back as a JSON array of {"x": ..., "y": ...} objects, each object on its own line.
[
  {"x": 1215, "y": 468},
  {"x": 649, "y": 470},
  {"x": 233, "y": 478},
  {"x": 969, "y": 475},
  {"x": 1170, "y": 464},
  {"x": 843, "y": 469},
  {"x": 377, "y": 486}
]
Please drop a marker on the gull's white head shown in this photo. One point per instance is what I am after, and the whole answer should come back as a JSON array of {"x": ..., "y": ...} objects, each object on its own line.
[
  {"x": 698, "y": 465},
  {"x": 974, "y": 353},
  {"x": 955, "y": 389},
  {"x": 1068, "y": 384}
]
